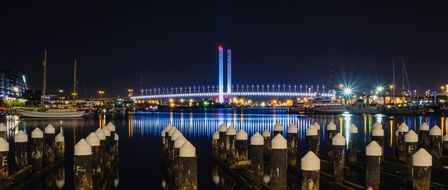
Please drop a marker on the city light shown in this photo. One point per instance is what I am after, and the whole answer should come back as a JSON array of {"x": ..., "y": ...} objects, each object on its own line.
[
  {"x": 347, "y": 91},
  {"x": 379, "y": 89}
]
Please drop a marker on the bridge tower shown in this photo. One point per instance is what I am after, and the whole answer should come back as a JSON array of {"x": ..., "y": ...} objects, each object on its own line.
[
  {"x": 229, "y": 70},
  {"x": 220, "y": 75}
]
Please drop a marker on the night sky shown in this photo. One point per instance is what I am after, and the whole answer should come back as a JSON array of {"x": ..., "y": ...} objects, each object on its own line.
[{"x": 174, "y": 42}]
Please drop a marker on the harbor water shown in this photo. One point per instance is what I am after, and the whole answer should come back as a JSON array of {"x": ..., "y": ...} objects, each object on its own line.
[{"x": 139, "y": 162}]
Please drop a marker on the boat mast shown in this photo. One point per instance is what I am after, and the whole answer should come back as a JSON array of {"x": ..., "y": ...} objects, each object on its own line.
[
  {"x": 74, "y": 83},
  {"x": 44, "y": 65},
  {"x": 393, "y": 78}
]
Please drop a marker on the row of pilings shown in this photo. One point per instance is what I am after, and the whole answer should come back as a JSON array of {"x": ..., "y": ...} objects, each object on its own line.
[
  {"x": 96, "y": 159},
  {"x": 270, "y": 158},
  {"x": 179, "y": 160},
  {"x": 33, "y": 154}
]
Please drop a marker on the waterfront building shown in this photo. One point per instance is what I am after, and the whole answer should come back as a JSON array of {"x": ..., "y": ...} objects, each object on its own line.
[{"x": 12, "y": 85}]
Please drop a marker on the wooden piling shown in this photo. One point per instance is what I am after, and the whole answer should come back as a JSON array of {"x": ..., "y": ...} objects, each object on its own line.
[
  {"x": 312, "y": 139},
  {"x": 373, "y": 165},
  {"x": 256, "y": 156},
  {"x": 352, "y": 147},
  {"x": 102, "y": 136},
  {"x": 116, "y": 147},
  {"x": 378, "y": 136},
  {"x": 400, "y": 144},
  {"x": 278, "y": 163},
  {"x": 222, "y": 143},
  {"x": 317, "y": 127},
  {"x": 310, "y": 165},
  {"x": 37, "y": 151},
  {"x": 3, "y": 129},
  {"x": 60, "y": 178},
  {"x": 422, "y": 164},
  {"x": 163, "y": 141},
  {"x": 338, "y": 143},
  {"x": 82, "y": 166},
  {"x": 230, "y": 145},
  {"x": 331, "y": 132},
  {"x": 178, "y": 143},
  {"x": 436, "y": 144},
  {"x": 445, "y": 151},
  {"x": 4, "y": 151},
  {"x": 21, "y": 150},
  {"x": 107, "y": 161},
  {"x": 423, "y": 136},
  {"x": 60, "y": 146},
  {"x": 267, "y": 141},
  {"x": 411, "y": 140},
  {"x": 293, "y": 143},
  {"x": 215, "y": 144},
  {"x": 188, "y": 167},
  {"x": 278, "y": 129},
  {"x": 49, "y": 150},
  {"x": 241, "y": 146},
  {"x": 174, "y": 136},
  {"x": 94, "y": 142}
]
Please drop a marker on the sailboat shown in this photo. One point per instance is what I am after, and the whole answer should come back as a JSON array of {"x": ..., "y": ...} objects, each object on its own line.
[{"x": 49, "y": 112}]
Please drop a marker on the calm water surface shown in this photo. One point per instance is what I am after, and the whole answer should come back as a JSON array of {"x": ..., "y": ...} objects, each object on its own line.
[{"x": 139, "y": 148}]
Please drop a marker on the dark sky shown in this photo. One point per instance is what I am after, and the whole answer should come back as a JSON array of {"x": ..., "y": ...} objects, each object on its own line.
[{"x": 174, "y": 42}]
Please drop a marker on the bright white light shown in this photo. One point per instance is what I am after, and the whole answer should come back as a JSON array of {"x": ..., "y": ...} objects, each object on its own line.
[
  {"x": 348, "y": 91},
  {"x": 379, "y": 89}
]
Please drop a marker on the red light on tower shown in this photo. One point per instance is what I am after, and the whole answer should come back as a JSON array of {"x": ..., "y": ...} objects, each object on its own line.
[{"x": 220, "y": 46}]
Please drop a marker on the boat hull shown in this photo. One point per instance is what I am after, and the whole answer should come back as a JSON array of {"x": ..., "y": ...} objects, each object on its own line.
[{"x": 50, "y": 114}]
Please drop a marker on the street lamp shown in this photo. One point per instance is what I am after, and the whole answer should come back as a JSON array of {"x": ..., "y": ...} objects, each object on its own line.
[
  {"x": 101, "y": 93},
  {"x": 130, "y": 90}
]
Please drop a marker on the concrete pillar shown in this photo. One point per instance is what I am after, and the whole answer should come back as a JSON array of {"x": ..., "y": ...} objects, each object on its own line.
[
  {"x": 312, "y": 138},
  {"x": 94, "y": 142},
  {"x": 422, "y": 164},
  {"x": 188, "y": 167},
  {"x": 338, "y": 143},
  {"x": 37, "y": 152},
  {"x": 21, "y": 150},
  {"x": 293, "y": 143},
  {"x": 82, "y": 166},
  {"x": 49, "y": 150},
  {"x": 278, "y": 162},
  {"x": 373, "y": 167},
  {"x": 352, "y": 147},
  {"x": 256, "y": 156},
  {"x": 423, "y": 134},
  {"x": 4, "y": 167},
  {"x": 310, "y": 165}
]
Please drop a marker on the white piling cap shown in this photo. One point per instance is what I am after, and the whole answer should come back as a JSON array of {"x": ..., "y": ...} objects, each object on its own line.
[
  {"x": 411, "y": 136},
  {"x": 292, "y": 129},
  {"x": 171, "y": 131},
  {"x": 4, "y": 146},
  {"x": 403, "y": 128},
  {"x": 353, "y": 128},
  {"x": 100, "y": 134},
  {"x": 3, "y": 127},
  {"x": 278, "y": 142},
  {"x": 168, "y": 127},
  {"x": 424, "y": 127},
  {"x": 378, "y": 132},
  {"x": 374, "y": 149},
  {"x": 37, "y": 133},
  {"x": 216, "y": 178},
  {"x": 230, "y": 131},
  {"x": 435, "y": 131},
  {"x": 176, "y": 135},
  {"x": 241, "y": 135},
  {"x": 266, "y": 179},
  {"x": 82, "y": 148},
  {"x": 317, "y": 125},
  {"x": 180, "y": 141},
  {"x": 60, "y": 183},
  {"x": 49, "y": 129},
  {"x": 421, "y": 158},
  {"x": 222, "y": 127},
  {"x": 338, "y": 139},
  {"x": 331, "y": 126},
  {"x": 310, "y": 162},
  {"x": 21, "y": 137},
  {"x": 106, "y": 131},
  {"x": 266, "y": 133},
  {"x": 257, "y": 139},
  {"x": 278, "y": 127},
  {"x": 215, "y": 135},
  {"x": 377, "y": 125},
  {"x": 116, "y": 137},
  {"x": 59, "y": 138},
  {"x": 187, "y": 150},
  {"x": 311, "y": 131},
  {"x": 111, "y": 126},
  {"x": 162, "y": 134},
  {"x": 93, "y": 140},
  {"x": 445, "y": 138}
]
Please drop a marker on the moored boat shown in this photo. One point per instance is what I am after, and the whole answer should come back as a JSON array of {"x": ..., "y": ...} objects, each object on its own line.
[{"x": 50, "y": 113}]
